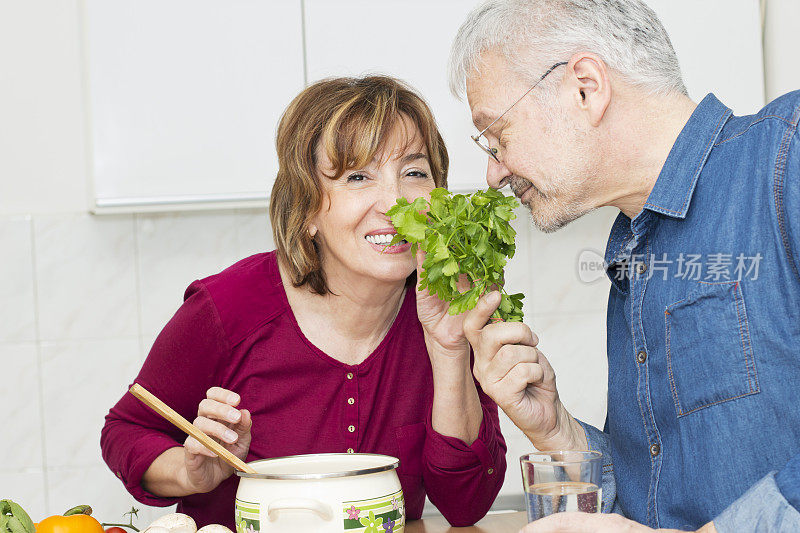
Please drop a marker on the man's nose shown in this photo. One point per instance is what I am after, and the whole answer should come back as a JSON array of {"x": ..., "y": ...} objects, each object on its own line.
[{"x": 497, "y": 174}]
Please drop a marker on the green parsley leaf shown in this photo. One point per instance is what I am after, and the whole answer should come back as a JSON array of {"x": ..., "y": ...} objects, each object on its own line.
[{"x": 462, "y": 235}]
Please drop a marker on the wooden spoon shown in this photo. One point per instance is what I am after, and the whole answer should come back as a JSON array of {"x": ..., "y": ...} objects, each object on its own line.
[{"x": 190, "y": 429}]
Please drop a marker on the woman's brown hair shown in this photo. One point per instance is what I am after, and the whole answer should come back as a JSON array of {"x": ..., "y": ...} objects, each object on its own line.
[{"x": 353, "y": 117}]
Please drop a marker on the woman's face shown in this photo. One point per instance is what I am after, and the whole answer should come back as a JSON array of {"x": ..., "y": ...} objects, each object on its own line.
[{"x": 352, "y": 229}]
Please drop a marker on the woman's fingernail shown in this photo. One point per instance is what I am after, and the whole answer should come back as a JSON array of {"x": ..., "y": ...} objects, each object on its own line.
[
  {"x": 230, "y": 436},
  {"x": 234, "y": 415}
]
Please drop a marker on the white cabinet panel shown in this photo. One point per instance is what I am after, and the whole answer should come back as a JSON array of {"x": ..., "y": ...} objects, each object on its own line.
[
  {"x": 408, "y": 39},
  {"x": 184, "y": 96}
]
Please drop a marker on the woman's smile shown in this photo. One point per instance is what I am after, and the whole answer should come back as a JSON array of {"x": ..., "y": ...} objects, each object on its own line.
[{"x": 379, "y": 241}]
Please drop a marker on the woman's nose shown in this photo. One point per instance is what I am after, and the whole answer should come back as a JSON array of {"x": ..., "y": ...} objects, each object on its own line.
[
  {"x": 388, "y": 197},
  {"x": 496, "y": 174}
]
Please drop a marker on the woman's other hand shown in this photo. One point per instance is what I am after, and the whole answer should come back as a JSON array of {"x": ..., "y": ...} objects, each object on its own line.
[
  {"x": 444, "y": 333},
  {"x": 454, "y": 389},
  {"x": 219, "y": 418}
]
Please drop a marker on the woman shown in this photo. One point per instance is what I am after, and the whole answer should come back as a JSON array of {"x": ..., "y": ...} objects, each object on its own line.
[{"x": 323, "y": 345}]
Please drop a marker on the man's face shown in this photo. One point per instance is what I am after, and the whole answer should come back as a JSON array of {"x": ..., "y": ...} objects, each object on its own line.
[{"x": 543, "y": 149}]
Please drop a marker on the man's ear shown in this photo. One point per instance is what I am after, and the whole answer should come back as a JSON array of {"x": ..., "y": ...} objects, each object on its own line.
[{"x": 589, "y": 83}]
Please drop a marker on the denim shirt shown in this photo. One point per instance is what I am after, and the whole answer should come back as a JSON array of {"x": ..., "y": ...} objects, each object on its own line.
[{"x": 704, "y": 331}]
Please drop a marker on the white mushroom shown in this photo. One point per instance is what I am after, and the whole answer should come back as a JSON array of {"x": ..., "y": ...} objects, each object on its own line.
[
  {"x": 214, "y": 528},
  {"x": 173, "y": 523},
  {"x": 156, "y": 529}
]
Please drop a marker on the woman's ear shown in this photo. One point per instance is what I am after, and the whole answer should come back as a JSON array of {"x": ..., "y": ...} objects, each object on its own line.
[{"x": 312, "y": 230}]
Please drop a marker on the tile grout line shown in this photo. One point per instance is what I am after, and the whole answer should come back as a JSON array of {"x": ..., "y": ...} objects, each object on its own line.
[
  {"x": 40, "y": 365},
  {"x": 138, "y": 274}
]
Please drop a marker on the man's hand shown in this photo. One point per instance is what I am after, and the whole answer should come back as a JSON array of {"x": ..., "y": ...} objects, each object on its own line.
[
  {"x": 596, "y": 523},
  {"x": 518, "y": 377}
]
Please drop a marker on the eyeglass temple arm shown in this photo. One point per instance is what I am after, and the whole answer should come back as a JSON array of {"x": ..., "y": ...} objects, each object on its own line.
[{"x": 551, "y": 69}]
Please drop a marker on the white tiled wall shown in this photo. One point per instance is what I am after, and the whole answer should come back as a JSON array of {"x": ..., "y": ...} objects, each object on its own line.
[
  {"x": 83, "y": 298},
  {"x": 568, "y": 316}
]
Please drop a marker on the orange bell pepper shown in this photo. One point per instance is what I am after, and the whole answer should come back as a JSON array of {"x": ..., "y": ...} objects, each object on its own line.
[{"x": 76, "y": 520}]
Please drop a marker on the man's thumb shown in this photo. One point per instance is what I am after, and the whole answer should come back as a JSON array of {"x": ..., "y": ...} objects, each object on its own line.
[{"x": 479, "y": 316}]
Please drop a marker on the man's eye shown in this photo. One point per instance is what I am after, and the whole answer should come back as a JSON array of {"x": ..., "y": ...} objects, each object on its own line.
[{"x": 356, "y": 177}]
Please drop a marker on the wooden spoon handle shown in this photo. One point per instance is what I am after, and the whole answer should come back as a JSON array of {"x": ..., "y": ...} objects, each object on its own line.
[{"x": 190, "y": 429}]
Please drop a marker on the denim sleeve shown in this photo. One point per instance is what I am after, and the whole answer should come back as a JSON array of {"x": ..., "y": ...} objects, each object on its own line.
[
  {"x": 763, "y": 508},
  {"x": 788, "y": 170},
  {"x": 788, "y": 481},
  {"x": 598, "y": 441}
]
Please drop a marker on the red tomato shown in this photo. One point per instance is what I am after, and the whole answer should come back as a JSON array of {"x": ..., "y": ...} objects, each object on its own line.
[{"x": 115, "y": 529}]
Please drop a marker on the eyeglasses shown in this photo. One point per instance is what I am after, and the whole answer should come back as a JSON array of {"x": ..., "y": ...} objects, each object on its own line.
[{"x": 484, "y": 144}]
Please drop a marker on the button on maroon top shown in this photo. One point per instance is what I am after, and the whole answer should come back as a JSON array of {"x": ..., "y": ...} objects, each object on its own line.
[{"x": 236, "y": 330}]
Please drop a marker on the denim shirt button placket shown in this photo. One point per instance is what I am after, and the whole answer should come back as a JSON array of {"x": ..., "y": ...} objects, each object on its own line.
[
  {"x": 655, "y": 449},
  {"x": 638, "y": 284}
]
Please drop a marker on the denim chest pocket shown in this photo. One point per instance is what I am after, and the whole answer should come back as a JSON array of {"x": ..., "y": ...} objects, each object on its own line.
[{"x": 709, "y": 354}]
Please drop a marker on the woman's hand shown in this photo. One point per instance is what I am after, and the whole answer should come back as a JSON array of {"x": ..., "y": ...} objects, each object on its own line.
[
  {"x": 596, "y": 523},
  {"x": 218, "y": 417},
  {"x": 444, "y": 333},
  {"x": 456, "y": 410}
]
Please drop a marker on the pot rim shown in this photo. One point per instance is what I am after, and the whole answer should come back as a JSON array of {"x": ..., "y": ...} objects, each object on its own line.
[{"x": 346, "y": 473}]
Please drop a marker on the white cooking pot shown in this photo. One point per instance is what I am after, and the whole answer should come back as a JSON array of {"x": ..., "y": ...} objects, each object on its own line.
[{"x": 321, "y": 493}]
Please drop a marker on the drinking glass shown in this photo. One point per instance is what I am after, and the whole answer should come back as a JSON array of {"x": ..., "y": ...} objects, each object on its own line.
[{"x": 559, "y": 481}]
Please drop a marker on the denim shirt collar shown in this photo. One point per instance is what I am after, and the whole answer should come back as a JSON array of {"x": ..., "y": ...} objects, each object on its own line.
[{"x": 674, "y": 187}]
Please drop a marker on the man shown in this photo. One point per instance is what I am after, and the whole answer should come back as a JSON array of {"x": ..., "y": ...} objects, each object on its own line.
[{"x": 580, "y": 104}]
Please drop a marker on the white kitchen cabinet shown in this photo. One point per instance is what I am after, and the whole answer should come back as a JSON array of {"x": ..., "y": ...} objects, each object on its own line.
[{"x": 183, "y": 98}]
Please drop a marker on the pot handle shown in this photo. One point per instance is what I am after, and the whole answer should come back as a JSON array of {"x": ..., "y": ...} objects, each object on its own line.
[{"x": 300, "y": 504}]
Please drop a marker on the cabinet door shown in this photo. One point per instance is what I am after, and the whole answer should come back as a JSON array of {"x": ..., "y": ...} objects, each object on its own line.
[
  {"x": 408, "y": 39},
  {"x": 184, "y": 97}
]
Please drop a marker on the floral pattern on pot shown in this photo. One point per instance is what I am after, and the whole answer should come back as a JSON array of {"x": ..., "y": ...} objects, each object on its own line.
[
  {"x": 378, "y": 515},
  {"x": 248, "y": 517}
]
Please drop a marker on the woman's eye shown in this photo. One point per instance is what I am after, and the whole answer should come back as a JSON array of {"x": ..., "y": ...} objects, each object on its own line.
[
  {"x": 356, "y": 178},
  {"x": 418, "y": 173}
]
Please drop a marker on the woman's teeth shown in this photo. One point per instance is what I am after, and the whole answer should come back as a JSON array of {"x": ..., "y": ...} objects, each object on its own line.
[{"x": 381, "y": 239}]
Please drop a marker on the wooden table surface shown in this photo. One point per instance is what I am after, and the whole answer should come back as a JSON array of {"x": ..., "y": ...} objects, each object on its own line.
[{"x": 493, "y": 523}]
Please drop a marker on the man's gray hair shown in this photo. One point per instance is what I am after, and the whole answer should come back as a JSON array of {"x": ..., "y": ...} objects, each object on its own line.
[{"x": 534, "y": 34}]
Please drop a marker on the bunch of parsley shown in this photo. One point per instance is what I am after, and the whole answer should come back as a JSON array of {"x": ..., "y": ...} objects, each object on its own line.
[{"x": 462, "y": 234}]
